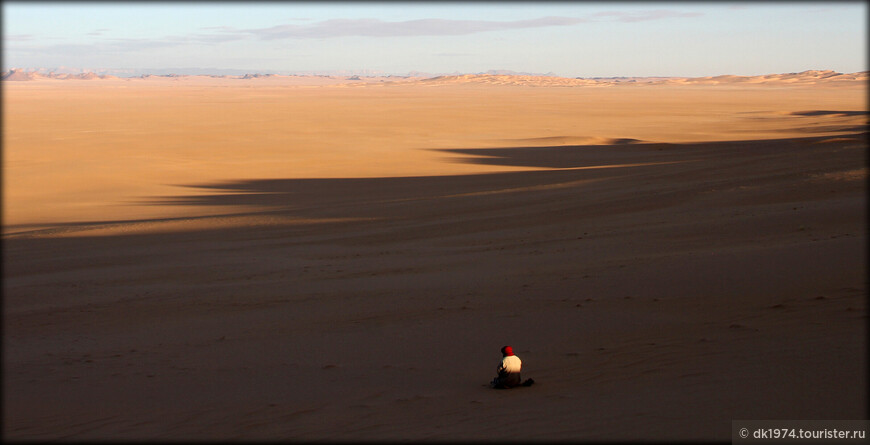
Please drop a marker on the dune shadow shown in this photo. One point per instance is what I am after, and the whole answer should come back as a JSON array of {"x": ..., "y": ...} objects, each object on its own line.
[
  {"x": 378, "y": 198},
  {"x": 557, "y": 164},
  {"x": 830, "y": 113},
  {"x": 325, "y": 196},
  {"x": 565, "y": 156},
  {"x": 829, "y": 129},
  {"x": 337, "y": 199}
]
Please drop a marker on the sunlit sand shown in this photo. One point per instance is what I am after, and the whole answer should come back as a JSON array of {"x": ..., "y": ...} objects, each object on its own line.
[{"x": 281, "y": 258}]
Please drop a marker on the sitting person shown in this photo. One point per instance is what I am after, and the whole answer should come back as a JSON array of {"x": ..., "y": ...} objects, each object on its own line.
[{"x": 508, "y": 370}]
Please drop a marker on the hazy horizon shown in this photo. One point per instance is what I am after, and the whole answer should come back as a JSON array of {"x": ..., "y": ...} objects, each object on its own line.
[
  {"x": 229, "y": 72},
  {"x": 567, "y": 39}
]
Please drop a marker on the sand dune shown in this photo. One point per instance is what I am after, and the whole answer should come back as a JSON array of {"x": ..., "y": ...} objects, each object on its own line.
[
  {"x": 501, "y": 79},
  {"x": 254, "y": 79},
  {"x": 809, "y": 77},
  {"x": 246, "y": 259},
  {"x": 126, "y": 139},
  {"x": 803, "y": 78},
  {"x": 20, "y": 75}
]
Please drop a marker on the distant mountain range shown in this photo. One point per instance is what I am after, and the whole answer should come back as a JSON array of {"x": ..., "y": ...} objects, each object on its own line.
[
  {"x": 63, "y": 72},
  {"x": 496, "y": 77},
  {"x": 34, "y": 75}
]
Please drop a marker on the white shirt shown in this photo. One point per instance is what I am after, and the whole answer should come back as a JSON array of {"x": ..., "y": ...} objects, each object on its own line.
[{"x": 511, "y": 364}]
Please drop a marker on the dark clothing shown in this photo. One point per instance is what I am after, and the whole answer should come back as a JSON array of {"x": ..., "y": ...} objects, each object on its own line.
[{"x": 506, "y": 380}]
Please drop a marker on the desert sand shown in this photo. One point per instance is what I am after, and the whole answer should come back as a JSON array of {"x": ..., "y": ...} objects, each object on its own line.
[{"x": 287, "y": 258}]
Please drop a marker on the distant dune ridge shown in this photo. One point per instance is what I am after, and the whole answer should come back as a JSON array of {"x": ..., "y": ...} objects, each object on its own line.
[
  {"x": 805, "y": 77},
  {"x": 495, "y": 77},
  {"x": 20, "y": 75}
]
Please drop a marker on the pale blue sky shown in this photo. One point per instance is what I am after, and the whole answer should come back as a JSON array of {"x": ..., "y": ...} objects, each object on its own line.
[{"x": 567, "y": 38}]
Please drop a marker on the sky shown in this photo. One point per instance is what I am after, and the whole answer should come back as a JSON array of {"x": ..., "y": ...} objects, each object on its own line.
[{"x": 570, "y": 39}]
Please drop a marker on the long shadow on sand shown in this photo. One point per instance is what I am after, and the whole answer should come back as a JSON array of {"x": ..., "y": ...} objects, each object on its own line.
[
  {"x": 562, "y": 166},
  {"x": 562, "y": 163},
  {"x": 691, "y": 274},
  {"x": 569, "y": 166}
]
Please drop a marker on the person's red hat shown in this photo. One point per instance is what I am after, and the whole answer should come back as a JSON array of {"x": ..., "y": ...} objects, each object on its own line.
[{"x": 507, "y": 350}]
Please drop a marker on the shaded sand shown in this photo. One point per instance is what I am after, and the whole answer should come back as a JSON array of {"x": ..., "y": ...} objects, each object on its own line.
[
  {"x": 228, "y": 263},
  {"x": 86, "y": 150}
]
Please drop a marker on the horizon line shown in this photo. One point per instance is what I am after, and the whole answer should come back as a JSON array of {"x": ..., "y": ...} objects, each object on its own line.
[{"x": 233, "y": 72}]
